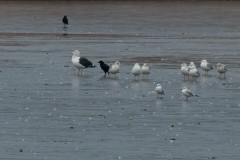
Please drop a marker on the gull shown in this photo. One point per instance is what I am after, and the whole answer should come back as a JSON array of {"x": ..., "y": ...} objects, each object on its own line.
[
  {"x": 191, "y": 64},
  {"x": 159, "y": 90},
  {"x": 81, "y": 62},
  {"x": 104, "y": 67},
  {"x": 222, "y": 69},
  {"x": 206, "y": 66},
  {"x": 136, "y": 70},
  {"x": 184, "y": 70},
  {"x": 193, "y": 72},
  {"x": 114, "y": 69},
  {"x": 65, "y": 21},
  {"x": 145, "y": 70},
  {"x": 187, "y": 93}
]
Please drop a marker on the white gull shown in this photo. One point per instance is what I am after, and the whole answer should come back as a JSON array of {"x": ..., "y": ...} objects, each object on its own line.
[
  {"x": 187, "y": 93},
  {"x": 114, "y": 69},
  {"x": 184, "y": 70},
  {"x": 136, "y": 70},
  {"x": 206, "y": 66},
  {"x": 145, "y": 70},
  {"x": 193, "y": 72},
  {"x": 159, "y": 90}
]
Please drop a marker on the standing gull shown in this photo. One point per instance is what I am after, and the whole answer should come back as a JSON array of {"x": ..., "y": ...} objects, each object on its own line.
[
  {"x": 222, "y": 69},
  {"x": 206, "y": 66},
  {"x": 136, "y": 70},
  {"x": 191, "y": 64},
  {"x": 81, "y": 62},
  {"x": 145, "y": 70},
  {"x": 104, "y": 67},
  {"x": 114, "y": 69},
  {"x": 187, "y": 93},
  {"x": 159, "y": 90},
  {"x": 65, "y": 21},
  {"x": 184, "y": 70},
  {"x": 193, "y": 72}
]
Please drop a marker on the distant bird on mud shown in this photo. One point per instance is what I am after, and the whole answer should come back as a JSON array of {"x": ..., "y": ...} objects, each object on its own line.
[
  {"x": 136, "y": 70},
  {"x": 222, "y": 69},
  {"x": 104, "y": 67},
  {"x": 114, "y": 69},
  {"x": 65, "y": 21},
  {"x": 159, "y": 90},
  {"x": 192, "y": 70},
  {"x": 187, "y": 93},
  {"x": 206, "y": 66},
  {"x": 145, "y": 70},
  {"x": 184, "y": 70},
  {"x": 81, "y": 62}
]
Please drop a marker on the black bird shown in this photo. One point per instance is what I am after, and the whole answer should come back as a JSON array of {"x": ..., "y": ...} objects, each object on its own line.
[
  {"x": 104, "y": 67},
  {"x": 65, "y": 20},
  {"x": 86, "y": 63}
]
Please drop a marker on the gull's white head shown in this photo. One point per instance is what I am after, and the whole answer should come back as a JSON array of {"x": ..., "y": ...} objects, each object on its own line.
[
  {"x": 117, "y": 63},
  {"x": 191, "y": 64},
  {"x": 158, "y": 85},
  {"x": 145, "y": 64},
  {"x": 76, "y": 53},
  {"x": 219, "y": 64},
  {"x": 184, "y": 88},
  {"x": 183, "y": 65},
  {"x": 204, "y": 61}
]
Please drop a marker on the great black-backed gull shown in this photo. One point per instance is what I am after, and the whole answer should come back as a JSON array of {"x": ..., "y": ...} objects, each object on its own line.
[{"x": 81, "y": 62}]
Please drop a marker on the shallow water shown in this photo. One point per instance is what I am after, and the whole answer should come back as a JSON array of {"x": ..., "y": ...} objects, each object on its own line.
[{"x": 49, "y": 112}]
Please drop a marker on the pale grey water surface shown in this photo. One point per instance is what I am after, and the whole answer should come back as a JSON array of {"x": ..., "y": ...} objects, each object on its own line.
[{"x": 48, "y": 112}]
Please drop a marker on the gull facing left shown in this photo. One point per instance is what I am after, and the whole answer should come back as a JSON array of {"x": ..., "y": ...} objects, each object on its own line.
[
  {"x": 187, "y": 93},
  {"x": 206, "y": 66},
  {"x": 81, "y": 62},
  {"x": 159, "y": 90}
]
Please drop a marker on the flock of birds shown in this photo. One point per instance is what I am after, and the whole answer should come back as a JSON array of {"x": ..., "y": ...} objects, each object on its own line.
[
  {"x": 192, "y": 72},
  {"x": 188, "y": 71}
]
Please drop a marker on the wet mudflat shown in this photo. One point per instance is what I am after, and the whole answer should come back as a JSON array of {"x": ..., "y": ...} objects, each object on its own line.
[{"x": 49, "y": 112}]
